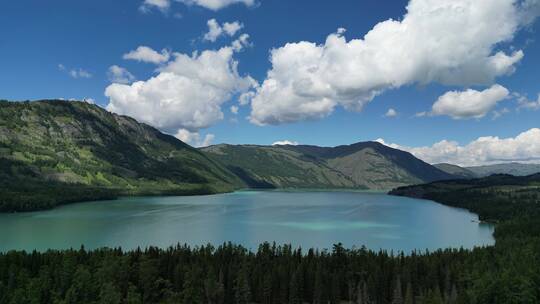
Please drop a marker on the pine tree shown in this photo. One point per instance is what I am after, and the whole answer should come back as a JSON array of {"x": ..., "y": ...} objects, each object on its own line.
[
  {"x": 109, "y": 294},
  {"x": 267, "y": 289},
  {"x": 318, "y": 289},
  {"x": 193, "y": 290},
  {"x": 397, "y": 297},
  {"x": 360, "y": 293},
  {"x": 133, "y": 296},
  {"x": 242, "y": 292},
  {"x": 409, "y": 297},
  {"x": 453, "y": 295}
]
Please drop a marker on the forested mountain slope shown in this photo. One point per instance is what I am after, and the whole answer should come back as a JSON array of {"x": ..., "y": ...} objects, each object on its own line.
[
  {"x": 366, "y": 165},
  {"x": 54, "y": 152}
]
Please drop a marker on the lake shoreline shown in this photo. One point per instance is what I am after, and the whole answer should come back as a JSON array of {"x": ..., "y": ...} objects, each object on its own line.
[{"x": 308, "y": 219}]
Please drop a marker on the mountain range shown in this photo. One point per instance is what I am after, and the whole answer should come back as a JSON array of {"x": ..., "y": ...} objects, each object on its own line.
[
  {"x": 364, "y": 165},
  {"x": 54, "y": 152},
  {"x": 516, "y": 169}
]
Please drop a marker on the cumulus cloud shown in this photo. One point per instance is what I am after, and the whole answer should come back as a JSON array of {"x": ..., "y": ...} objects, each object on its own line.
[
  {"x": 391, "y": 113},
  {"x": 451, "y": 42},
  {"x": 162, "y": 5},
  {"x": 234, "y": 109},
  {"x": 469, "y": 103},
  {"x": 216, "y": 4},
  {"x": 285, "y": 143},
  {"x": 194, "y": 138},
  {"x": 215, "y": 30},
  {"x": 525, "y": 147},
  {"x": 118, "y": 74},
  {"x": 147, "y": 54},
  {"x": 75, "y": 72},
  {"x": 187, "y": 93}
]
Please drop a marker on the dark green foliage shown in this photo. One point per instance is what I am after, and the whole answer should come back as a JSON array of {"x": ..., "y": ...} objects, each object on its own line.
[
  {"x": 57, "y": 152},
  {"x": 494, "y": 198},
  {"x": 508, "y": 272},
  {"x": 230, "y": 274}
]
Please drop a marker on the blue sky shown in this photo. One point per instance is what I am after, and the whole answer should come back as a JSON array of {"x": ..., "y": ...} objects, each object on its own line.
[{"x": 64, "y": 49}]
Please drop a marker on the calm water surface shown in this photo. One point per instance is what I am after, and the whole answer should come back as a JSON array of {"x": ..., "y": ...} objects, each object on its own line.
[{"x": 307, "y": 219}]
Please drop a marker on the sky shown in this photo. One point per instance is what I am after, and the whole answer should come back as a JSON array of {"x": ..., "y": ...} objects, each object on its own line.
[{"x": 448, "y": 80}]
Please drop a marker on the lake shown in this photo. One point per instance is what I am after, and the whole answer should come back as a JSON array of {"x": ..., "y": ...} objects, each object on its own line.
[{"x": 301, "y": 218}]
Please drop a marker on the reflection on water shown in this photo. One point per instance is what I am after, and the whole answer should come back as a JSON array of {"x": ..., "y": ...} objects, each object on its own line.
[{"x": 306, "y": 219}]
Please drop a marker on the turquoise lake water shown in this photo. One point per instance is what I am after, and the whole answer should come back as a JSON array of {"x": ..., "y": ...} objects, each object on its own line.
[{"x": 301, "y": 218}]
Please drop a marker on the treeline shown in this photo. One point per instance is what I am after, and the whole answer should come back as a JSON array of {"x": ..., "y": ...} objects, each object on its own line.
[
  {"x": 494, "y": 198},
  {"x": 508, "y": 272},
  {"x": 231, "y": 274},
  {"x": 21, "y": 196},
  {"x": 23, "y": 190}
]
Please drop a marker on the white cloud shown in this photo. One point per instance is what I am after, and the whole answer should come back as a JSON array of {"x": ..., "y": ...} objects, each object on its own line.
[
  {"x": 194, "y": 138},
  {"x": 245, "y": 98},
  {"x": 216, "y": 4},
  {"x": 215, "y": 30},
  {"x": 241, "y": 43},
  {"x": 285, "y": 142},
  {"x": 391, "y": 113},
  {"x": 162, "y": 5},
  {"x": 118, "y": 74},
  {"x": 187, "y": 93},
  {"x": 525, "y": 147},
  {"x": 231, "y": 28},
  {"x": 75, "y": 72},
  {"x": 147, "y": 54},
  {"x": 451, "y": 42},
  {"x": 234, "y": 109},
  {"x": 498, "y": 113},
  {"x": 80, "y": 73},
  {"x": 469, "y": 103},
  {"x": 524, "y": 103}
]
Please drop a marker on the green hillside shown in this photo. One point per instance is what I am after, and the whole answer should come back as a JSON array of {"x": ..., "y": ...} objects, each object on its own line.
[
  {"x": 276, "y": 167},
  {"x": 54, "y": 152},
  {"x": 368, "y": 165}
]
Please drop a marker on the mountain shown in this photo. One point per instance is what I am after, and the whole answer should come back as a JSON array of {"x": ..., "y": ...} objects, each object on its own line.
[
  {"x": 365, "y": 165},
  {"x": 456, "y": 170},
  {"x": 54, "y": 152},
  {"x": 516, "y": 169},
  {"x": 278, "y": 167}
]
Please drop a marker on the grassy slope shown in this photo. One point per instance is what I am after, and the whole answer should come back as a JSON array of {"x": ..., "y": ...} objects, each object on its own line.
[
  {"x": 363, "y": 165},
  {"x": 269, "y": 167},
  {"x": 58, "y": 144}
]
